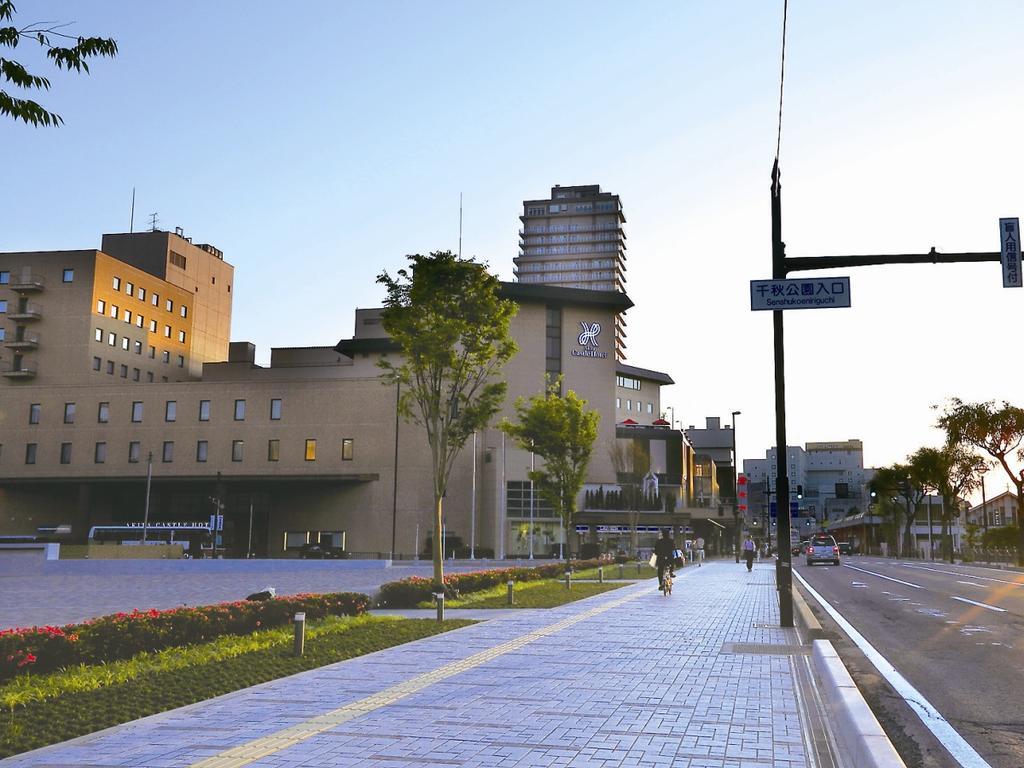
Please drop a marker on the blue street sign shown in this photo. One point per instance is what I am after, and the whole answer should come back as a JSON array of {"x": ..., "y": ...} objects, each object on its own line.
[{"x": 794, "y": 509}]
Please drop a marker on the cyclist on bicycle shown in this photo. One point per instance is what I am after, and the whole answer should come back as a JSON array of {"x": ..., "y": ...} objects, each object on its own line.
[{"x": 663, "y": 550}]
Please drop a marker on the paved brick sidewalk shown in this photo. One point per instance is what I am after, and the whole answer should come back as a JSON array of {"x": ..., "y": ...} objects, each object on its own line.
[{"x": 627, "y": 678}]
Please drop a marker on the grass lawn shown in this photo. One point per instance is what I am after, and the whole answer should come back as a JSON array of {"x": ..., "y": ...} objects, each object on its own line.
[
  {"x": 611, "y": 571},
  {"x": 529, "y": 594},
  {"x": 45, "y": 709}
]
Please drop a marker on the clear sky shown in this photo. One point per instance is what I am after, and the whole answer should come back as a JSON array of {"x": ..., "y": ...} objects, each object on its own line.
[{"x": 317, "y": 143}]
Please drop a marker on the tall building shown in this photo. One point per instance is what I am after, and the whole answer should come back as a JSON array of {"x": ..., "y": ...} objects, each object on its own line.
[
  {"x": 575, "y": 239},
  {"x": 147, "y": 307}
]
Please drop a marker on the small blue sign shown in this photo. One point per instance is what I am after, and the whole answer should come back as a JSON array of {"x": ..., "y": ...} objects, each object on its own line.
[{"x": 794, "y": 509}]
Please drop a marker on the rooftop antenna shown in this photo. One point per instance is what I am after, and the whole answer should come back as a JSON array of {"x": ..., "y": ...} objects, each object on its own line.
[
  {"x": 153, "y": 221},
  {"x": 460, "y": 225},
  {"x": 131, "y": 221}
]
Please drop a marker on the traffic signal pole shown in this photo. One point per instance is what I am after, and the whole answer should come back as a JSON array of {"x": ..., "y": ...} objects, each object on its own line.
[{"x": 781, "y": 267}]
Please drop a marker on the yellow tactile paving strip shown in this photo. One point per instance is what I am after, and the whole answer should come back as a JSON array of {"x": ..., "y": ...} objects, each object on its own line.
[{"x": 247, "y": 753}]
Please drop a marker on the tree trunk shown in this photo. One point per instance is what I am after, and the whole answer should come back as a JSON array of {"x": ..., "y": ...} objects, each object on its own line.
[
  {"x": 438, "y": 553},
  {"x": 909, "y": 540}
]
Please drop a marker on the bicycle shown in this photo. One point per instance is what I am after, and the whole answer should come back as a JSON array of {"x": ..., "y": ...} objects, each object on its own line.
[{"x": 666, "y": 582}]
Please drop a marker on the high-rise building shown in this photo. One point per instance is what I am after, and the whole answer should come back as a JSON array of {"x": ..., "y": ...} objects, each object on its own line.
[{"x": 575, "y": 239}]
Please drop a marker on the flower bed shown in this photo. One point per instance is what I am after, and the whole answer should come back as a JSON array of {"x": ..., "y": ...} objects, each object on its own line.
[
  {"x": 122, "y": 635},
  {"x": 408, "y": 593}
]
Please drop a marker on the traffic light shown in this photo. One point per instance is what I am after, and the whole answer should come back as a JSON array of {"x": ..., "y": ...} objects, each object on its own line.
[{"x": 799, "y": 491}]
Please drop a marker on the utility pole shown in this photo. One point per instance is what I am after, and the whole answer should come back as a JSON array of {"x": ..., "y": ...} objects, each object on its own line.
[
  {"x": 735, "y": 487},
  {"x": 472, "y": 507}
]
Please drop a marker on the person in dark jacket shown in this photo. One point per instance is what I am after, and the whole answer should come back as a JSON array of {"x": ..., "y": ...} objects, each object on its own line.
[{"x": 663, "y": 549}]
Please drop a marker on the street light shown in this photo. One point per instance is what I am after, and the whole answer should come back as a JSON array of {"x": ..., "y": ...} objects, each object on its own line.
[
  {"x": 735, "y": 494},
  {"x": 982, "y": 470}
]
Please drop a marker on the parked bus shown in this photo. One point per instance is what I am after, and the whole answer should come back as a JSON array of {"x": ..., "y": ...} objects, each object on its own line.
[{"x": 194, "y": 537}]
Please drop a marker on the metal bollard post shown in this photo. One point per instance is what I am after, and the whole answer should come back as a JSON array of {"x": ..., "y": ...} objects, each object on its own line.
[
  {"x": 568, "y": 579},
  {"x": 600, "y": 574},
  {"x": 622, "y": 571},
  {"x": 439, "y": 597},
  {"x": 638, "y": 569},
  {"x": 300, "y": 634},
  {"x": 511, "y": 593}
]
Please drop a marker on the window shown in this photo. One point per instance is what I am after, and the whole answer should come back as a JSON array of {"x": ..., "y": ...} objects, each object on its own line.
[
  {"x": 154, "y": 299},
  {"x": 138, "y": 347},
  {"x": 650, "y": 407},
  {"x": 69, "y": 413},
  {"x": 204, "y": 410},
  {"x": 152, "y": 326},
  {"x": 171, "y": 411},
  {"x": 34, "y": 412},
  {"x": 114, "y": 311},
  {"x": 167, "y": 331},
  {"x": 184, "y": 310},
  {"x": 133, "y": 452},
  {"x": 125, "y": 343},
  {"x": 103, "y": 413},
  {"x": 168, "y": 454},
  {"x": 30, "y": 453},
  {"x": 3, "y": 305},
  {"x": 141, "y": 293},
  {"x": 273, "y": 450},
  {"x": 110, "y": 367},
  {"x": 618, "y": 402},
  {"x": 311, "y": 450},
  {"x": 236, "y": 449},
  {"x": 152, "y": 352},
  {"x": 129, "y": 288},
  {"x": 629, "y": 405},
  {"x": 127, "y": 316},
  {"x": 5, "y": 278},
  {"x": 96, "y": 363},
  {"x": 68, "y": 276},
  {"x": 112, "y": 339},
  {"x": 181, "y": 337},
  {"x": 99, "y": 334},
  {"x": 347, "y": 448},
  {"x": 627, "y": 382},
  {"x": 101, "y": 307},
  {"x": 239, "y": 410},
  {"x": 202, "y": 450},
  {"x": 100, "y": 454},
  {"x": 65, "y": 453},
  {"x": 137, "y": 412},
  {"x": 275, "y": 409},
  {"x": 181, "y": 361},
  {"x": 3, "y": 334},
  {"x": 166, "y": 356},
  {"x": 177, "y": 260},
  {"x": 169, "y": 305},
  {"x": 149, "y": 376},
  {"x": 117, "y": 283},
  {"x": 124, "y": 371}
]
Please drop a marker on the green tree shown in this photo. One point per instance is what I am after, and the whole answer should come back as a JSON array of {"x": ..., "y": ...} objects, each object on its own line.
[
  {"x": 995, "y": 430},
  {"x": 950, "y": 471},
  {"x": 631, "y": 459},
  {"x": 902, "y": 481},
  {"x": 68, "y": 52},
  {"x": 561, "y": 430},
  {"x": 453, "y": 329}
]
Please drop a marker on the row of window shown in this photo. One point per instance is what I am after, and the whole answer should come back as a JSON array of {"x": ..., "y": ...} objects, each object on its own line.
[
  {"x": 600, "y": 224},
  {"x": 540, "y": 250},
  {"x": 35, "y": 411},
  {"x": 128, "y": 345},
  {"x": 550, "y": 266},
  {"x": 97, "y": 365},
  {"x": 627, "y": 382},
  {"x": 539, "y": 210},
  {"x": 639, "y": 405},
  {"x": 202, "y": 451},
  {"x": 541, "y": 239},
  {"x": 140, "y": 294},
  {"x": 67, "y": 276},
  {"x": 561, "y": 277},
  {"x": 140, "y": 320}
]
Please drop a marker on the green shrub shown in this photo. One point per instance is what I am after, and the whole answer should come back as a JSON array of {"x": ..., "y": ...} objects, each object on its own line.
[{"x": 122, "y": 635}]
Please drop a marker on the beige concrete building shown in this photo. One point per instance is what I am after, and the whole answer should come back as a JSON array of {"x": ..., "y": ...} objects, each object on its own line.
[{"x": 308, "y": 448}]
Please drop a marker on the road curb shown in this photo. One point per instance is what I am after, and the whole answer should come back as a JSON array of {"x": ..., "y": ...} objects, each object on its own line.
[
  {"x": 862, "y": 742},
  {"x": 807, "y": 619}
]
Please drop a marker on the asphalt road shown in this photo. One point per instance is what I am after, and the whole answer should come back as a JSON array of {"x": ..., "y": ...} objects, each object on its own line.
[{"x": 955, "y": 632}]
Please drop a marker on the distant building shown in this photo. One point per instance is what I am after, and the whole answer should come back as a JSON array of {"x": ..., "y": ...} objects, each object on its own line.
[
  {"x": 999, "y": 511},
  {"x": 575, "y": 239}
]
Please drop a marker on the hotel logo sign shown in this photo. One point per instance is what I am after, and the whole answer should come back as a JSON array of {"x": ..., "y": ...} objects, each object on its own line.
[{"x": 588, "y": 341}]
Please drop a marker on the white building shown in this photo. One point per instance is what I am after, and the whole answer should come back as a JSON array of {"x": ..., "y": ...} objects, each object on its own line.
[{"x": 996, "y": 512}]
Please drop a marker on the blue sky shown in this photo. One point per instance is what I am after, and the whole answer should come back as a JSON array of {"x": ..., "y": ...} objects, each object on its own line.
[{"x": 316, "y": 143}]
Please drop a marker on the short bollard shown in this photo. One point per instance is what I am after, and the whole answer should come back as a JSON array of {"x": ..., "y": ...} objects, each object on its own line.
[
  {"x": 622, "y": 571},
  {"x": 439, "y": 597},
  {"x": 638, "y": 569},
  {"x": 600, "y": 574},
  {"x": 300, "y": 634},
  {"x": 568, "y": 579},
  {"x": 511, "y": 592}
]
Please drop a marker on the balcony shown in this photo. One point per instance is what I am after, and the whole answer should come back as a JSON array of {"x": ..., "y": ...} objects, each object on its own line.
[
  {"x": 26, "y": 311},
  {"x": 27, "y": 281},
  {"x": 19, "y": 369},
  {"x": 23, "y": 341}
]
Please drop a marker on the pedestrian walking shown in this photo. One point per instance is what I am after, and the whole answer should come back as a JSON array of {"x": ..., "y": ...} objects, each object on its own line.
[
  {"x": 664, "y": 552},
  {"x": 748, "y": 552},
  {"x": 700, "y": 550}
]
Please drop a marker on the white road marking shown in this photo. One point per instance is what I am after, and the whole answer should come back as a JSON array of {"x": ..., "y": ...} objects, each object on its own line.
[
  {"x": 961, "y": 573},
  {"x": 888, "y": 578},
  {"x": 972, "y": 584},
  {"x": 947, "y": 735},
  {"x": 980, "y": 605}
]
